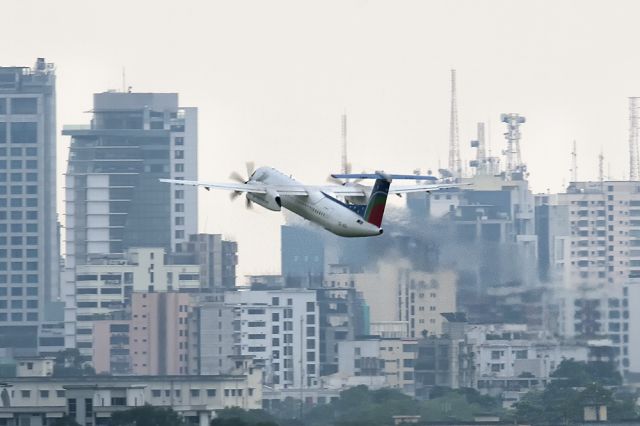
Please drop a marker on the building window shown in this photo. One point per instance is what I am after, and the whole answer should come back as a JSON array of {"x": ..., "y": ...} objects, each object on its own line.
[
  {"x": 179, "y": 154},
  {"x": 24, "y": 132},
  {"x": 24, "y": 105},
  {"x": 211, "y": 393},
  {"x": 178, "y": 168}
]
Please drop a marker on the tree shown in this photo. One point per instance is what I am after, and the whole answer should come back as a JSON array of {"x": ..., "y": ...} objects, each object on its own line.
[
  {"x": 68, "y": 363},
  {"x": 579, "y": 374},
  {"x": 65, "y": 421},
  {"x": 236, "y": 416},
  {"x": 147, "y": 415}
]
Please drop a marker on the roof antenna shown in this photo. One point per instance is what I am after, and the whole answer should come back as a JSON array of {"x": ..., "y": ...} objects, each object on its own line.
[{"x": 124, "y": 80}]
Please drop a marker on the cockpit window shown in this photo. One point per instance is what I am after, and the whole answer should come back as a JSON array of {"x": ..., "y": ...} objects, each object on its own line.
[{"x": 359, "y": 221}]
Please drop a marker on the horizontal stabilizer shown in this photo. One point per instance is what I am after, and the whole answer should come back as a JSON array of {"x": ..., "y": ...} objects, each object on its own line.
[{"x": 381, "y": 175}]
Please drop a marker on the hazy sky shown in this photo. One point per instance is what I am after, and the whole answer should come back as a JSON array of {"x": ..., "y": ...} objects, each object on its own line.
[{"x": 271, "y": 79}]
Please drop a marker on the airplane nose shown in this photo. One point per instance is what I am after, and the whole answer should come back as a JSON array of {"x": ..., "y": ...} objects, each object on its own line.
[{"x": 381, "y": 231}]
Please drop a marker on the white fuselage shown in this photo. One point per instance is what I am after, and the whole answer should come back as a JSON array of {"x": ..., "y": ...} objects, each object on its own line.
[{"x": 317, "y": 207}]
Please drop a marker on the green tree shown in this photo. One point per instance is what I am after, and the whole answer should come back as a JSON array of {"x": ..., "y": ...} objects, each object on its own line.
[
  {"x": 69, "y": 363},
  {"x": 65, "y": 421},
  {"x": 147, "y": 415},
  {"x": 236, "y": 416},
  {"x": 578, "y": 373}
]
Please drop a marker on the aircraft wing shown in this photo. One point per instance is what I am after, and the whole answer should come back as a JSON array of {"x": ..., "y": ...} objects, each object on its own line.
[
  {"x": 360, "y": 190},
  {"x": 256, "y": 188},
  {"x": 406, "y": 189}
]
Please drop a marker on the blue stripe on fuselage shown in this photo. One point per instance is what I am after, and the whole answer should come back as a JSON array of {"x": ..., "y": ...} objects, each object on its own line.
[{"x": 359, "y": 209}]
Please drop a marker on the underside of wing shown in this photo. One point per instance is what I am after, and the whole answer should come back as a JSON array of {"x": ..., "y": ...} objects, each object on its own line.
[
  {"x": 407, "y": 189},
  {"x": 345, "y": 190},
  {"x": 290, "y": 189},
  {"x": 241, "y": 187}
]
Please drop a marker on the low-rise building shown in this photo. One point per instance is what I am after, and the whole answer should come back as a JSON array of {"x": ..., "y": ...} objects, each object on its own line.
[
  {"x": 400, "y": 293},
  {"x": 105, "y": 285},
  {"x": 154, "y": 340},
  {"x": 377, "y": 363},
  {"x": 38, "y": 401}
]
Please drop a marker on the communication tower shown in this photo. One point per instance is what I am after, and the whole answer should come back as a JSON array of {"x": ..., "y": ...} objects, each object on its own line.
[
  {"x": 514, "y": 157},
  {"x": 455, "y": 165},
  {"x": 634, "y": 165}
]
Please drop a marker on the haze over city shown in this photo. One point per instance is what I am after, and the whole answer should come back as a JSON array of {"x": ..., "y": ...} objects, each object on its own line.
[
  {"x": 271, "y": 80},
  {"x": 305, "y": 213}
]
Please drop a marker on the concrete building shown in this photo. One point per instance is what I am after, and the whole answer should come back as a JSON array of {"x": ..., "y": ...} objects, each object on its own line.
[
  {"x": 398, "y": 293},
  {"x": 592, "y": 257},
  {"x": 343, "y": 316},
  {"x": 114, "y": 199},
  {"x": 303, "y": 256},
  {"x": 486, "y": 234},
  {"x": 39, "y": 401},
  {"x": 29, "y": 243},
  {"x": 104, "y": 286},
  {"x": 281, "y": 329},
  {"x": 510, "y": 357},
  {"x": 213, "y": 336},
  {"x": 377, "y": 363},
  {"x": 155, "y": 341},
  {"x": 217, "y": 258}
]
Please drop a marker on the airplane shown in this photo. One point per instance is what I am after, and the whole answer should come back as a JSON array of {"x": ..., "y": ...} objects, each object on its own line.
[{"x": 359, "y": 215}]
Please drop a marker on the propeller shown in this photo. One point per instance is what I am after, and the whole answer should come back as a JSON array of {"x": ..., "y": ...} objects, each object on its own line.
[{"x": 235, "y": 176}]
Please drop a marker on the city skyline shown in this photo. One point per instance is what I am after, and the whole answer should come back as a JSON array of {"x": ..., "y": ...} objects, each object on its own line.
[{"x": 270, "y": 77}]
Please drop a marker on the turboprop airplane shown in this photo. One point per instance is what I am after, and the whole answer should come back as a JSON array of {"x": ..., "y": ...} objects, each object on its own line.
[{"x": 359, "y": 215}]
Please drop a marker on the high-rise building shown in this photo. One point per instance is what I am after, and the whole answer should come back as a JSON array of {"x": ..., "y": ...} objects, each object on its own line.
[
  {"x": 596, "y": 252},
  {"x": 114, "y": 199},
  {"x": 29, "y": 244}
]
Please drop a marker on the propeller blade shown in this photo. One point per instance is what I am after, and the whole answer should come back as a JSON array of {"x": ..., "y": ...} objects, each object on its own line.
[
  {"x": 248, "y": 204},
  {"x": 237, "y": 177},
  {"x": 235, "y": 194},
  {"x": 251, "y": 167}
]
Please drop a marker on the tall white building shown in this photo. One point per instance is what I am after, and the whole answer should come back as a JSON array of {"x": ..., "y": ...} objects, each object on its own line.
[
  {"x": 591, "y": 260},
  {"x": 114, "y": 199},
  {"x": 280, "y": 327}
]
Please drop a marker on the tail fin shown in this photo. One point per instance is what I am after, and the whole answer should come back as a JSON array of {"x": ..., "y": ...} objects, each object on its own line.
[{"x": 377, "y": 202}]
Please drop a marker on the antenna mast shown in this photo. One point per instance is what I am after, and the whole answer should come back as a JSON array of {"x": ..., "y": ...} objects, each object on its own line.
[
  {"x": 634, "y": 104},
  {"x": 601, "y": 169},
  {"x": 574, "y": 163},
  {"x": 514, "y": 159},
  {"x": 455, "y": 165},
  {"x": 345, "y": 165}
]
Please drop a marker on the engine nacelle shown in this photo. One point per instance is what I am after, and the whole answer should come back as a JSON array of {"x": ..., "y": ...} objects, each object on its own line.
[{"x": 270, "y": 200}]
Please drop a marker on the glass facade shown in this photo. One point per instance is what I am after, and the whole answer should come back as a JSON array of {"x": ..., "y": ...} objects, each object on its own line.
[{"x": 29, "y": 253}]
